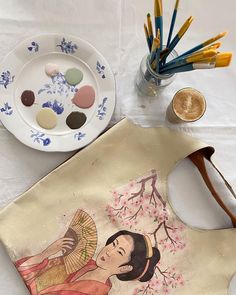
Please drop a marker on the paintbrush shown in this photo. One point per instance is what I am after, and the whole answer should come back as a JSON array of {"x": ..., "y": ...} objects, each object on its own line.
[
  {"x": 158, "y": 51},
  {"x": 147, "y": 38},
  {"x": 158, "y": 19},
  {"x": 177, "y": 37},
  {"x": 150, "y": 31},
  {"x": 197, "y": 57},
  {"x": 204, "y": 44},
  {"x": 172, "y": 23},
  {"x": 221, "y": 60},
  {"x": 154, "y": 49},
  {"x": 213, "y": 46}
]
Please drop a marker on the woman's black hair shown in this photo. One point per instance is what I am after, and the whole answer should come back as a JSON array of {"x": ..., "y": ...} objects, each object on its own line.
[{"x": 138, "y": 258}]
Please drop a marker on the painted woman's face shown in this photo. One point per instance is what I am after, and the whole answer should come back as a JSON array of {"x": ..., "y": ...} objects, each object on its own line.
[{"x": 113, "y": 255}]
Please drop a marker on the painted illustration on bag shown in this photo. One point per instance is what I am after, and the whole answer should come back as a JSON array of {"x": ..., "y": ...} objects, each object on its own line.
[
  {"x": 67, "y": 267},
  {"x": 138, "y": 206}
]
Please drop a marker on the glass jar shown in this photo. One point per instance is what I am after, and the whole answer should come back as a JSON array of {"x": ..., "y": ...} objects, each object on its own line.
[{"x": 148, "y": 82}]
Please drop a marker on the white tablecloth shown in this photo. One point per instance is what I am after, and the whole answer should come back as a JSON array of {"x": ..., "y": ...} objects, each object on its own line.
[{"x": 115, "y": 28}]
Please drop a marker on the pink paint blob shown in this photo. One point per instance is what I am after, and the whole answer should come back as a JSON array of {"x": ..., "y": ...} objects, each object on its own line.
[{"x": 84, "y": 97}]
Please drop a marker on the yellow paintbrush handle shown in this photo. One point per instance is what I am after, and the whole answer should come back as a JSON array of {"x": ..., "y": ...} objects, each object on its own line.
[
  {"x": 185, "y": 26},
  {"x": 221, "y": 35}
]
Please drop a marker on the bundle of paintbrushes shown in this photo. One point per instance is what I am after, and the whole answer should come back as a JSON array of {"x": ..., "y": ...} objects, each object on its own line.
[{"x": 202, "y": 56}]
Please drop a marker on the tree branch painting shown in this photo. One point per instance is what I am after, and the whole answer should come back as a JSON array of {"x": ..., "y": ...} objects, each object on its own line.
[{"x": 137, "y": 204}]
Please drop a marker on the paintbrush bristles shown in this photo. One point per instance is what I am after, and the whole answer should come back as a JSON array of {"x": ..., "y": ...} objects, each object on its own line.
[{"x": 223, "y": 59}]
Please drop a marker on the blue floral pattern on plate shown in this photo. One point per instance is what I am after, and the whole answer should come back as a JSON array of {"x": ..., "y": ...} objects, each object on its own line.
[
  {"x": 67, "y": 46},
  {"x": 6, "y": 109},
  {"x": 40, "y": 138},
  {"x": 79, "y": 135},
  {"x": 59, "y": 86},
  {"x": 100, "y": 69},
  {"x": 56, "y": 106},
  {"x": 102, "y": 109},
  {"x": 6, "y": 78},
  {"x": 34, "y": 47}
]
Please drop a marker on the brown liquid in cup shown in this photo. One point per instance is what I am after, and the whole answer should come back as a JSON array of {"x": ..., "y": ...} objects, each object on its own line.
[{"x": 189, "y": 104}]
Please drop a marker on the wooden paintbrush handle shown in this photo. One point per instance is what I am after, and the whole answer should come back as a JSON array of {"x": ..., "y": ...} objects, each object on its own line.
[{"x": 198, "y": 160}]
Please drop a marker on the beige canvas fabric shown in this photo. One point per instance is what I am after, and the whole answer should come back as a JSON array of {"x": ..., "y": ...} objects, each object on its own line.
[{"x": 119, "y": 182}]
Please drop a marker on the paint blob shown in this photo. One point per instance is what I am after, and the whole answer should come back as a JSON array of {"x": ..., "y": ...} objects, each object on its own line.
[
  {"x": 46, "y": 118},
  {"x": 84, "y": 97},
  {"x": 27, "y": 98},
  {"x": 75, "y": 120},
  {"x": 51, "y": 69},
  {"x": 73, "y": 76}
]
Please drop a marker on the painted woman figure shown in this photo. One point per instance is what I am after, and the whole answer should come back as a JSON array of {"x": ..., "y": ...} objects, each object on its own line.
[{"x": 126, "y": 255}]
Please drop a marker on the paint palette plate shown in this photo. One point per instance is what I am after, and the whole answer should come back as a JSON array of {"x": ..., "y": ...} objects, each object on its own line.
[{"x": 24, "y": 69}]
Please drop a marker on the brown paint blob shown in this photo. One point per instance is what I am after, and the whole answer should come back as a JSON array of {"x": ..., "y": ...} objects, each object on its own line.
[
  {"x": 27, "y": 98},
  {"x": 75, "y": 120}
]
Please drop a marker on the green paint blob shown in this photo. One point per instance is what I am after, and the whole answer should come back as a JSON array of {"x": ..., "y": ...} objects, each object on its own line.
[{"x": 73, "y": 76}]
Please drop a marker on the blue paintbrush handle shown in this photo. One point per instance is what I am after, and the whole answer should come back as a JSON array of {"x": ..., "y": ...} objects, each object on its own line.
[
  {"x": 196, "y": 48},
  {"x": 159, "y": 25},
  {"x": 158, "y": 60},
  {"x": 171, "y": 47},
  {"x": 175, "y": 64},
  {"x": 171, "y": 27},
  {"x": 149, "y": 44},
  {"x": 184, "y": 68}
]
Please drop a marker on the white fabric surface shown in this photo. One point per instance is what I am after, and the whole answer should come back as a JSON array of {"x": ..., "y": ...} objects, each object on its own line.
[{"x": 115, "y": 28}]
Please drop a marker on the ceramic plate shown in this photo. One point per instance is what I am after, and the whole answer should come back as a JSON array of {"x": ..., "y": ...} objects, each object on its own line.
[{"x": 24, "y": 69}]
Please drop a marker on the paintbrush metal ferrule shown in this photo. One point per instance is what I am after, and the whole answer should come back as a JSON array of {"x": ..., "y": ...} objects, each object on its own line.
[{"x": 199, "y": 66}]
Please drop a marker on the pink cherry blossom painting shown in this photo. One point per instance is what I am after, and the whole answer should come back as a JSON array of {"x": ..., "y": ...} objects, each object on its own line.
[{"x": 139, "y": 206}]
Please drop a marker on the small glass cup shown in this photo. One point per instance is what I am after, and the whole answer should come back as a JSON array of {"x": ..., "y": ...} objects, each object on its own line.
[
  {"x": 148, "y": 82},
  {"x": 188, "y": 105}
]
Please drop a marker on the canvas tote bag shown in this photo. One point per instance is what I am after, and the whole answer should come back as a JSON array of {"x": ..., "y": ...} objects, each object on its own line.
[{"x": 101, "y": 222}]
